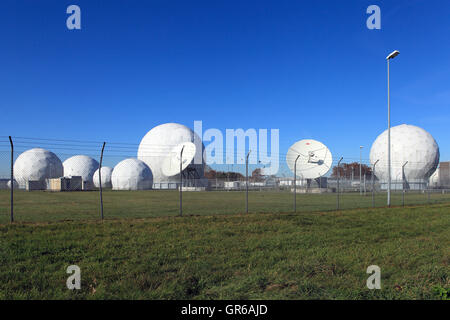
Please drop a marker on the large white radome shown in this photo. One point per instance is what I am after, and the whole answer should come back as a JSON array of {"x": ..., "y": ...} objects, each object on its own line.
[
  {"x": 80, "y": 165},
  {"x": 408, "y": 143},
  {"x": 131, "y": 174},
  {"x": 160, "y": 141},
  {"x": 106, "y": 177},
  {"x": 37, "y": 165}
]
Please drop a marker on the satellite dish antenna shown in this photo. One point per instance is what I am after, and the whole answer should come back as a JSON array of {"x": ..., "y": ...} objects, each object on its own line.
[
  {"x": 171, "y": 164},
  {"x": 314, "y": 159}
]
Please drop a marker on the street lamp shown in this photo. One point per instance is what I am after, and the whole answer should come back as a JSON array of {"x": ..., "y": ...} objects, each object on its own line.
[
  {"x": 389, "y": 57},
  {"x": 360, "y": 169}
]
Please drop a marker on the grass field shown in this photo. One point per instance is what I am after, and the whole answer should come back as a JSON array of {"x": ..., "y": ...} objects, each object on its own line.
[
  {"x": 40, "y": 206},
  {"x": 308, "y": 255}
]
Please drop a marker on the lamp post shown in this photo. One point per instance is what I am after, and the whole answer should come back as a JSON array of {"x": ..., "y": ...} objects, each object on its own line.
[
  {"x": 389, "y": 57},
  {"x": 360, "y": 169}
]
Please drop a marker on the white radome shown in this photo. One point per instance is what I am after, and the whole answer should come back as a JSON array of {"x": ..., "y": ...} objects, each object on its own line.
[
  {"x": 36, "y": 165},
  {"x": 80, "y": 165},
  {"x": 15, "y": 184},
  {"x": 131, "y": 174},
  {"x": 434, "y": 179},
  {"x": 408, "y": 143},
  {"x": 106, "y": 177},
  {"x": 160, "y": 141}
]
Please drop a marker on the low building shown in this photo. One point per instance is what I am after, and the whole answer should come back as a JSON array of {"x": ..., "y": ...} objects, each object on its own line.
[
  {"x": 232, "y": 185},
  {"x": 34, "y": 185},
  {"x": 444, "y": 174},
  {"x": 4, "y": 183},
  {"x": 65, "y": 184}
]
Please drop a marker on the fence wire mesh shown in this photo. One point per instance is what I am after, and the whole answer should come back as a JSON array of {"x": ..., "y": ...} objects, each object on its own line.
[{"x": 63, "y": 184}]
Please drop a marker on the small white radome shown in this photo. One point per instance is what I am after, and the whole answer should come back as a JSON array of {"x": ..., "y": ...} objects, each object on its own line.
[
  {"x": 15, "y": 184},
  {"x": 106, "y": 177},
  {"x": 434, "y": 179},
  {"x": 80, "y": 165},
  {"x": 131, "y": 174}
]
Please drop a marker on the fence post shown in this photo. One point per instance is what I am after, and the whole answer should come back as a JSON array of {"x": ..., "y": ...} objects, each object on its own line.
[
  {"x": 12, "y": 179},
  {"x": 373, "y": 183},
  {"x": 365, "y": 191},
  {"x": 403, "y": 183},
  {"x": 338, "y": 175},
  {"x": 181, "y": 181},
  {"x": 295, "y": 184},
  {"x": 246, "y": 174},
  {"x": 100, "y": 180}
]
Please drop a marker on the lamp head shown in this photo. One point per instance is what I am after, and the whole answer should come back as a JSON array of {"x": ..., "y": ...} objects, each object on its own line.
[{"x": 393, "y": 55}]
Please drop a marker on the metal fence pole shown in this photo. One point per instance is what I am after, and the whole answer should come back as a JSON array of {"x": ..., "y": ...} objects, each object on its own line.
[
  {"x": 403, "y": 183},
  {"x": 100, "y": 180},
  {"x": 365, "y": 191},
  {"x": 337, "y": 189},
  {"x": 373, "y": 183},
  {"x": 181, "y": 182},
  {"x": 12, "y": 179},
  {"x": 246, "y": 173},
  {"x": 295, "y": 184},
  {"x": 360, "y": 170}
]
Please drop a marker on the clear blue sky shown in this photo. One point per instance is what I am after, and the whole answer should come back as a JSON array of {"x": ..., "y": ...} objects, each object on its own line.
[{"x": 309, "y": 68}]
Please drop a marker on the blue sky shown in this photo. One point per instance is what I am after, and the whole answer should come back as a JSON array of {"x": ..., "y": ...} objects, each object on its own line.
[{"x": 308, "y": 68}]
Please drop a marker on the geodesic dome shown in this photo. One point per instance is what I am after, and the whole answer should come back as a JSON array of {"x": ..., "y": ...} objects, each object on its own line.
[
  {"x": 131, "y": 174},
  {"x": 160, "y": 141},
  {"x": 80, "y": 165},
  {"x": 36, "y": 165},
  {"x": 106, "y": 177},
  {"x": 408, "y": 143}
]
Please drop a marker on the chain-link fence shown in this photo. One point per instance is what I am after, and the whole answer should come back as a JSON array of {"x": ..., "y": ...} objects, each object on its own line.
[{"x": 57, "y": 180}]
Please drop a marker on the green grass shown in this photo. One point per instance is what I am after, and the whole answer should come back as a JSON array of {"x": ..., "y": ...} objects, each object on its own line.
[
  {"x": 308, "y": 255},
  {"x": 41, "y": 206}
]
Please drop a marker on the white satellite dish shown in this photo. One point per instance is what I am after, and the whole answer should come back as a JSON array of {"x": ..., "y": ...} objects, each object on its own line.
[
  {"x": 314, "y": 159},
  {"x": 171, "y": 164}
]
